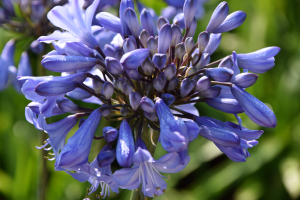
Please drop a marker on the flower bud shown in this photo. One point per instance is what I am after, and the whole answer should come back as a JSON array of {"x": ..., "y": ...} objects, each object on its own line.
[
  {"x": 193, "y": 28},
  {"x": 106, "y": 156},
  {"x": 133, "y": 74},
  {"x": 232, "y": 21},
  {"x": 168, "y": 98},
  {"x": 158, "y": 84},
  {"x": 161, "y": 21},
  {"x": 107, "y": 89},
  {"x": 123, "y": 6},
  {"x": 147, "y": 66},
  {"x": 147, "y": 21},
  {"x": 214, "y": 42},
  {"x": 105, "y": 112},
  {"x": 186, "y": 87},
  {"x": 205, "y": 59},
  {"x": 189, "y": 44},
  {"x": 170, "y": 71},
  {"x": 189, "y": 11},
  {"x": 226, "y": 63},
  {"x": 211, "y": 92},
  {"x": 37, "y": 47},
  {"x": 176, "y": 35},
  {"x": 152, "y": 45},
  {"x": 133, "y": 59},
  {"x": 140, "y": 143},
  {"x": 132, "y": 22},
  {"x": 190, "y": 71},
  {"x": 128, "y": 45},
  {"x": 144, "y": 37},
  {"x": 119, "y": 83},
  {"x": 109, "y": 50},
  {"x": 203, "y": 84},
  {"x": 147, "y": 105},
  {"x": 225, "y": 105},
  {"x": 219, "y": 74},
  {"x": 151, "y": 116},
  {"x": 119, "y": 53},
  {"x": 164, "y": 38},
  {"x": 113, "y": 65},
  {"x": 173, "y": 83},
  {"x": 97, "y": 86},
  {"x": 66, "y": 105},
  {"x": 110, "y": 134},
  {"x": 256, "y": 110},
  {"x": 218, "y": 17},
  {"x": 159, "y": 60},
  {"x": 134, "y": 99},
  {"x": 244, "y": 80},
  {"x": 179, "y": 20},
  {"x": 180, "y": 50},
  {"x": 203, "y": 39},
  {"x": 127, "y": 88}
]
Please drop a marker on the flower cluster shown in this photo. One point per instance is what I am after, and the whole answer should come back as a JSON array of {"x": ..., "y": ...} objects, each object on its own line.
[{"x": 149, "y": 83}]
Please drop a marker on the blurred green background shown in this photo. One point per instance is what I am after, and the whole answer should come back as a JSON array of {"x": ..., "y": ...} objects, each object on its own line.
[{"x": 273, "y": 170}]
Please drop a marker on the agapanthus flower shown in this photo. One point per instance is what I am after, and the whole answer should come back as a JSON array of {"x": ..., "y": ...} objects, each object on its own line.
[{"x": 143, "y": 81}]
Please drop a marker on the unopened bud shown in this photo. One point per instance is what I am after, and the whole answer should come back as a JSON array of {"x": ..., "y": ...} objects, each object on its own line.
[
  {"x": 170, "y": 71},
  {"x": 110, "y": 134},
  {"x": 147, "y": 105},
  {"x": 152, "y": 45},
  {"x": 107, "y": 89},
  {"x": 179, "y": 50},
  {"x": 127, "y": 88},
  {"x": 134, "y": 99},
  {"x": 144, "y": 37},
  {"x": 203, "y": 39},
  {"x": 128, "y": 45},
  {"x": 189, "y": 44},
  {"x": 187, "y": 85},
  {"x": 173, "y": 83}
]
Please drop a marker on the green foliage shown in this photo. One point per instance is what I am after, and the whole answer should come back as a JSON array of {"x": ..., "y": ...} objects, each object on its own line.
[{"x": 273, "y": 170}]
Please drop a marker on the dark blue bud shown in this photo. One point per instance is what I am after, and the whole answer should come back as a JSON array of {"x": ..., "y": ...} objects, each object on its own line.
[
  {"x": 125, "y": 146},
  {"x": 134, "y": 99},
  {"x": 109, "y": 50},
  {"x": 164, "y": 38},
  {"x": 106, "y": 156},
  {"x": 217, "y": 133},
  {"x": 180, "y": 50},
  {"x": 54, "y": 88},
  {"x": 203, "y": 39},
  {"x": 218, "y": 17},
  {"x": 127, "y": 88},
  {"x": 133, "y": 59},
  {"x": 168, "y": 98},
  {"x": 133, "y": 74},
  {"x": 163, "y": 77},
  {"x": 123, "y": 6},
  {"x": 151, "y": 116},
  {"x": 214, "y": 42},
  {"x": 60, "y": 63},
  {"x": 219, "y": 74},
  {"x": 244, "y": 80},
  {"x": 170, "y": 71},
  {"x": 152, "y": 45},
  {"x": 140, "y": 143},
  {"x": 147, "y": 21},
  {"x": 110, "y": 134},
  {"x": 66, "y": 105},
  {"x": 147, "y": 105},
  {"x": 211, "y": 92},
  {"x": 256, "y": 110},
  {"x": 132, "y": 22},
  {"x": 161, "y": 22},
  {"x": 107, "y": 89},
  {"x": 113, "y": 65},
  {"x": 147, "y": 66},
  {"x": 144, "y": 36},
  {"x": 37, "y": 47},
  {"x": 173, "y": 83},
  {"x": 176, "y": 35},
  {"x": 179, "y": 20},
  {"x": 109, "y": 21},
  {"x": 203, "y": 84},
  {"x": 128, "y": 45},
  {"x": 159, "y": 60},
  {"x": 225, "y": 105},
  {"x": 187, "y": 85},
  {"x": 189, "y": 44},
  {"x": 189, "y": 11},
  {"x": 232, "y": 21}
]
